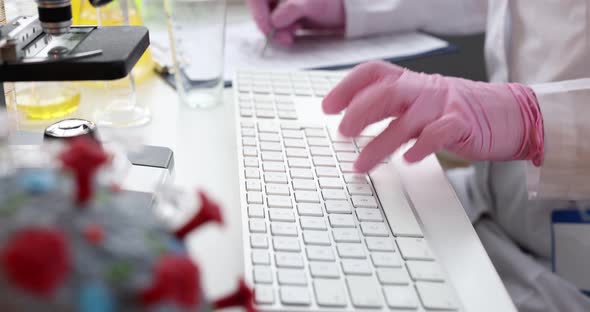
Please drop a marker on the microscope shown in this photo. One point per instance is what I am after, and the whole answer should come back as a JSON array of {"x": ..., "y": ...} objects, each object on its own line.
[{"x": 48, "y": 48}]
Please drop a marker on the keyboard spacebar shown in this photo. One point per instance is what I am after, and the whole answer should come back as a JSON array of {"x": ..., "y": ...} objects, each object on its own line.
[{"x": 394, "y": 202}]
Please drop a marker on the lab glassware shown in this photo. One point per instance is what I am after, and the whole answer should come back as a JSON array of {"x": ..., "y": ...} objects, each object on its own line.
[{"x": 197, "y": 37}]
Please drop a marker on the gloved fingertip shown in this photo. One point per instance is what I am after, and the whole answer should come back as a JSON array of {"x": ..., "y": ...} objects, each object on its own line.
[
  {"x": 360, "y": 166},
  {"x": 284, "y": 39}
]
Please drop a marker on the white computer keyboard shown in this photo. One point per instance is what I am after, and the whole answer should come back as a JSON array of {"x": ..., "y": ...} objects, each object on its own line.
[{"x": 316, "y": 236}]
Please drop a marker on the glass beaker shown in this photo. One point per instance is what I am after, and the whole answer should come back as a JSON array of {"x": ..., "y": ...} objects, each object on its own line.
[{"x": 197, "y": 39}]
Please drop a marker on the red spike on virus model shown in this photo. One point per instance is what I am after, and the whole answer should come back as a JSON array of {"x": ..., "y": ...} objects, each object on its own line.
[
  {"x": 242, "y": 297},
  {"x": 209, "y": 212},
  {"x": 83, "y": 157}
]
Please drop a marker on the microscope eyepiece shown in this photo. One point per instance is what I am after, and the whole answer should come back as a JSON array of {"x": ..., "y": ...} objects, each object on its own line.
[{"x": 55, "y": 16}]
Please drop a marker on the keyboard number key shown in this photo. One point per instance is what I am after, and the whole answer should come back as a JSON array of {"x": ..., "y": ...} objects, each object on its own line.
[
  {"x": 295, "y": 295},
  {"x": 262, "y": 275},
  {"x": 400, "y": 297},
  {"x": 330, "y": 293},
  {"x": 264, "y": 295}
]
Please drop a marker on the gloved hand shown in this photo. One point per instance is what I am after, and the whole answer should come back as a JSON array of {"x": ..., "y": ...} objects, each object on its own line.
[
  {"x": 290, "y": 15},
  {"x": 475, "y": 120}
]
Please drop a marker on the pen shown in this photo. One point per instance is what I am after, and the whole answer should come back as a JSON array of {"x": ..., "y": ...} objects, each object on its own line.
[{"x": 272, "y": 33}]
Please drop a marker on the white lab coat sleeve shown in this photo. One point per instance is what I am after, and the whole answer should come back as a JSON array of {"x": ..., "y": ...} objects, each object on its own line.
[
  {"x": 565, "y": 107},
  {"x": 369, "y": 17}
]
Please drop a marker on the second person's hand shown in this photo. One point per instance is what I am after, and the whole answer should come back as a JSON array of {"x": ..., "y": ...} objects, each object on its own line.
[{"x": 289, "y": 15}]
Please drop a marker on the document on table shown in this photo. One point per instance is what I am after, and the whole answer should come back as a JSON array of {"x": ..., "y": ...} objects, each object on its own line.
[{"x": 244, "y": 43}]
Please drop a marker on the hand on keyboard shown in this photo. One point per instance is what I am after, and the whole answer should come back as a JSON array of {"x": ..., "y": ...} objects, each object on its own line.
[
  {"x": 292, "y": 14},
  {"x": 475, "y": 120}
]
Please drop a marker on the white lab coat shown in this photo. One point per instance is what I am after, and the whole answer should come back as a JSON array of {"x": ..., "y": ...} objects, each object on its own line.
[{"x": 545, "y": 44}]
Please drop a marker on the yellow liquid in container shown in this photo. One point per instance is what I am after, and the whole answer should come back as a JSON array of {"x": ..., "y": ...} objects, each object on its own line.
[
  {"x": 47, "y": 101},
  {"x": 111, "y": 15}
]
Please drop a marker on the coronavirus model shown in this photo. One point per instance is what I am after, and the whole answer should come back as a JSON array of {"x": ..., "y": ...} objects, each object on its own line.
[{"x": 69, "y": 242}]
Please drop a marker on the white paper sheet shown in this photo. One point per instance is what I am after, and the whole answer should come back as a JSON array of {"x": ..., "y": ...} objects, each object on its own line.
[{"x": 244, "y": 44}]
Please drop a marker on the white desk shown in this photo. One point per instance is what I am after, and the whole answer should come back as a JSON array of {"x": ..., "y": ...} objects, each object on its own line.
[{"x": 204, "y": 148}]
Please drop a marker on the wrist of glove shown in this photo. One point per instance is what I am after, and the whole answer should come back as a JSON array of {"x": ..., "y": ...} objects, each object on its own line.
[{"x": 476, "y": 120}]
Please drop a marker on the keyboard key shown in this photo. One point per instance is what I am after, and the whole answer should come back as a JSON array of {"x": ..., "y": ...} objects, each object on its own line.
[
  {"x": 330, "y": 183},
  {"x": 320, "y": 253},
  {"x": 255, "y": 211},
  {"x": 272, "y": 156},
  {"x": 364, "y": 201},
  {"x": 264, "y": 294},
  {"x": 318, "y": 142},
  {"x": 380, "y": 244},
  {"x": 313, "y": 223},
  {"x": 316, "y": 238},
  {"x": 288, "y": 260},
  {"x": 268, "y": 127},
  {"x": 253, "y": 185},
  {"x": 283, "y": 229},
  {"x": 436, "y": 296},
  {"x": 344, "y": 147},
  {"x": 246, "y": 112},
  {"x": 299, "y": 173},
  {"x": 299, "y": 143},
  {"x": 277, "y": 189},
  {"x": 338, "y": 206},
  {"x": 346, "y": 156},
  {"x": 327, "y": 172},
  {"x": 296, "y": 152},
  {"x": 374, "y": 229},
  {"x": 330, "y": 293},
  {"x": 338, "y": 221},
  {"x": 273, "y": 166},
  {"x": 320, "y": 151},
  {"x": 247, "y": 124},
  {"x": 275, "y": 177},
  {"x": 307, "y": 209},
  {"x": 347, "y": 167},
  {"x": 269, "y": 137},
  {"x": 323, "y": 161},
  {"x": 251, "y": 162},
  {"x": 356, "y": 267},
  {"x": 333, "y": 194},
  {"x": 346, "y": 250},
  {"x": 425, "y": 271},
  {"x": 368, "y": 214},
  {"x": 299, "y": 185},
  {"x": 287, "y": 115},
  {"x": 386, "y": 259},
  {"x": 260, "y": 257},
  {"x": 262, "y": 275},
  {"x": 320, "y": 133},
  {"x": 295, "y": 295},
  {"x": 414, "y": 248},
  {"x": 264, "y": 113},
  {"x": 364, "y": 292},
  {"x": 291, "y": 277},
  {"x": 254, "y": 198},
  {"x": 393, "y": 276},
  {"x": 298, "y": 163},
  {"x": 400, "y": 297},
  {"x": 278, "y": 201},
  {"x": 248, "y": 132},
  {"x": 252, "y": 173},
  {"x": 353, "y": 178},
  {"x": 359, "y": 189},
  {"x": 257, "y": 226},
  {"x": 346, "y": 236},
  {"x": 248, "y": 141},
  {"x": 281, "y": 215},
  {"x": 324, "y": 269},
  {"x": 306, "y": 197},
  {"x": 258, "y": 241},
  {"x": 286, "y": 244},
  {"x": 271, "y": 146},
  {"x": 292, "y": 134}
]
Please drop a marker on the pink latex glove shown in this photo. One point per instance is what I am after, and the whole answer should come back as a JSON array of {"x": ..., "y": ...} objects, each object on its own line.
[
  {"x": 290, "y": 15},
  {"x": 475, "y": 120}
]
